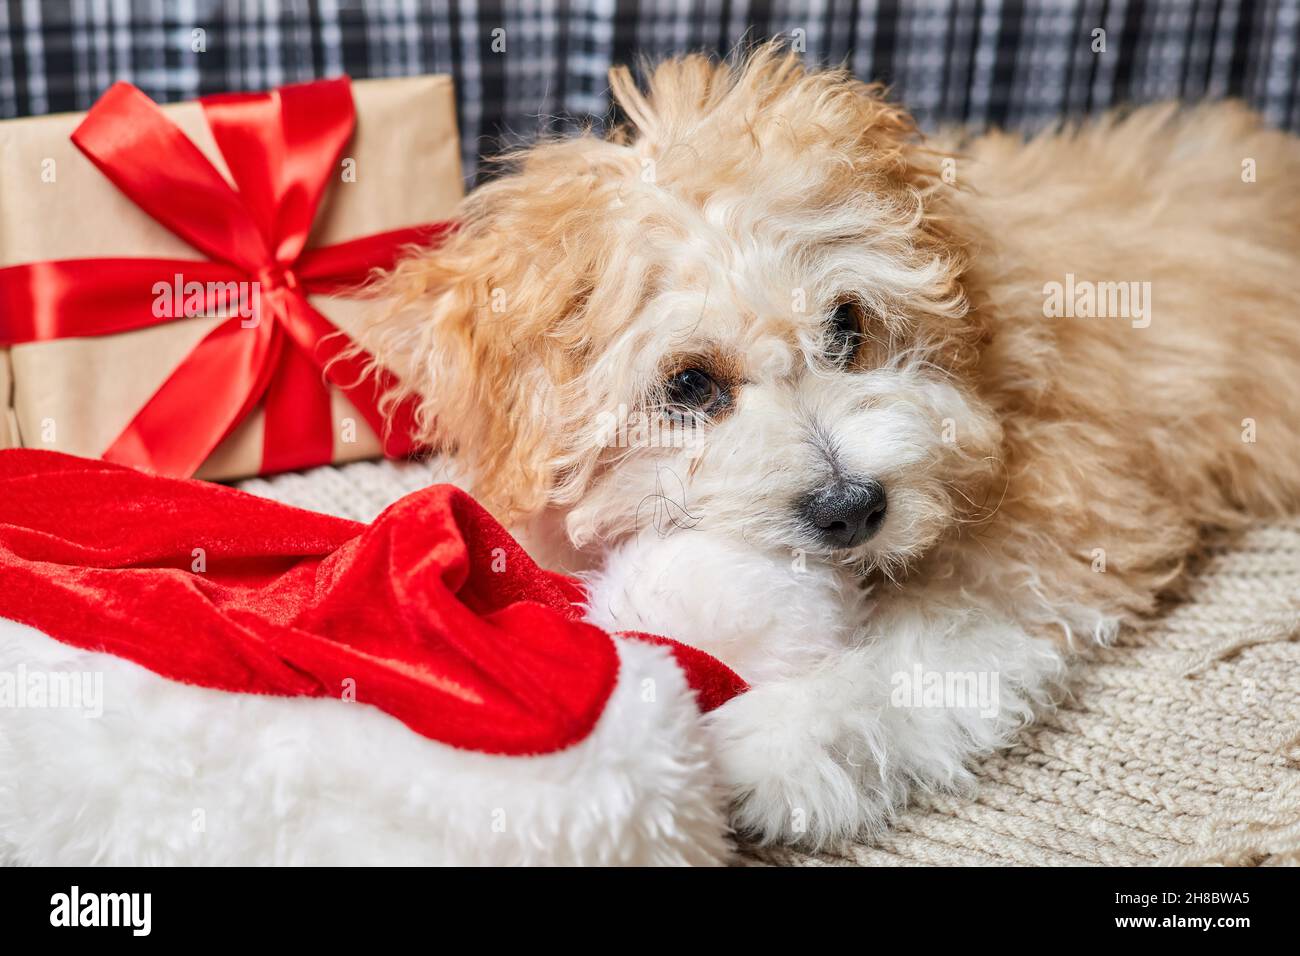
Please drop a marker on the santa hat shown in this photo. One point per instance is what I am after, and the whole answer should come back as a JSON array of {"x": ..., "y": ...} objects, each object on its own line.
[{"x": 414, "y": 690}]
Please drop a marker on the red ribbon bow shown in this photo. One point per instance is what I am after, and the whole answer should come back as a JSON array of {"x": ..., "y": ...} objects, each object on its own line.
[{"x": 282, "y": 148}]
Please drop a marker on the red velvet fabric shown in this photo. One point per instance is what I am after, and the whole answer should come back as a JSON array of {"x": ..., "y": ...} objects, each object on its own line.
[{"x": 433, "y": 613}]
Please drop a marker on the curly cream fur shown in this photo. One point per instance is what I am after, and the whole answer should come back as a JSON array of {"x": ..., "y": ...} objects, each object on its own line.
[{"x": 1046, "y": 475}]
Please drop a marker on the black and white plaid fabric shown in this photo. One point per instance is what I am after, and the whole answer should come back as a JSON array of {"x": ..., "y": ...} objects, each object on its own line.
[{"x": 531, "y": 65}]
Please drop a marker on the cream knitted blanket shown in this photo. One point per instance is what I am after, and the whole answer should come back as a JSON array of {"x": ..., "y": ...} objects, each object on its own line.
[{"x": 1180, "y": 744}]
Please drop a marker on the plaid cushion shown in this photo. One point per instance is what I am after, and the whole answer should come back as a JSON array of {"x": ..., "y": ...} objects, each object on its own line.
[{"x": 535, "y": 65}]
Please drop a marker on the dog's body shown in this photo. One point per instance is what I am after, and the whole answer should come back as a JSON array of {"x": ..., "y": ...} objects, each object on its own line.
[
  {"x": 926, "y": 421},
  {"x": 1120, "y": 440}
]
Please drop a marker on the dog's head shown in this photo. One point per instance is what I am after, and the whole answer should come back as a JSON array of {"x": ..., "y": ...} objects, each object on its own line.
[{"x": 743, "y": 311}]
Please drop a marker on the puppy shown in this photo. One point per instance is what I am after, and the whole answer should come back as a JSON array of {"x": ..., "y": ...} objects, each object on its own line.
[{"x": 889, "y": 426}]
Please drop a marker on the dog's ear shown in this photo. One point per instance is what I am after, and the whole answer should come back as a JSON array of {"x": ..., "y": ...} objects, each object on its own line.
[
  {"x": 476, "y": 334},
  {"x": 493, "y": 331}
]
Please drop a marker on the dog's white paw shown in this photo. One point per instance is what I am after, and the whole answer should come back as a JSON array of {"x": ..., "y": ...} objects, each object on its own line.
[
  {"x": 797, "y": 771},
  {"x": 830, "y": 755}
]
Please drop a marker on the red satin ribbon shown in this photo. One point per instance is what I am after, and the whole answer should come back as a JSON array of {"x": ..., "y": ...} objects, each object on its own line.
[{"x": 282, "y": 149}]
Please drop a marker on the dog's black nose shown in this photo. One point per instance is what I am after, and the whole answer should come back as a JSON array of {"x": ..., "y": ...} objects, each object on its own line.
[{"x": 846, "y": 513}]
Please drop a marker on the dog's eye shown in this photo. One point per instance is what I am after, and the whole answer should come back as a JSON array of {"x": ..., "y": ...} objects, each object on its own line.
[
  {"x": 844, "y": 332},
  {"x": 691, "y": 391}
]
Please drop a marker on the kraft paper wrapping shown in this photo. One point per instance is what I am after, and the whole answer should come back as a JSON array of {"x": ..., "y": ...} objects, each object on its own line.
[
  {"x": 8, "y": 423},
  {"x": 76, "y": 395}
]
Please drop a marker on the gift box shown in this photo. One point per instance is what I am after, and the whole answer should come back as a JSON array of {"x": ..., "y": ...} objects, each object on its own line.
[{"x": 173, "y": 280}]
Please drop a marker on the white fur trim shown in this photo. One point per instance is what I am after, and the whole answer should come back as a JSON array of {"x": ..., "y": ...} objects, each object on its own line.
[{"x": 176, "y": 774}]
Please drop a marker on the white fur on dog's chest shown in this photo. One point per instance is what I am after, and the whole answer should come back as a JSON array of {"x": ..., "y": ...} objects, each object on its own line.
[{"x": 766, "y": 616}]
